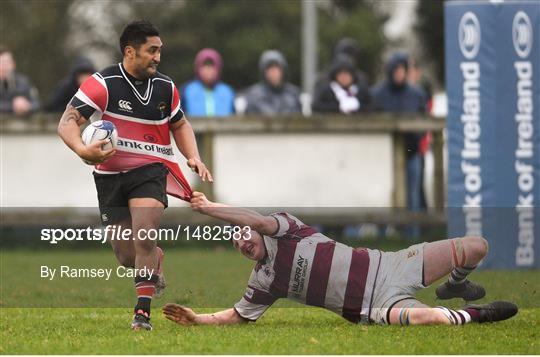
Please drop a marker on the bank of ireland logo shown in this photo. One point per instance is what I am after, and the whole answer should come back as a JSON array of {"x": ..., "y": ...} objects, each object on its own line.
[
  {"x": 522, "y": 34},
  {"x": 150, "y": 138},
  {"x": 469, "y": 35}
]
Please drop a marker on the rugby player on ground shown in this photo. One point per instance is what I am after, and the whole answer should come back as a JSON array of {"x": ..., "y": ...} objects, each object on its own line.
[
  {"x": 362, "y": 285},
  {"x": 132, "y": 181}
]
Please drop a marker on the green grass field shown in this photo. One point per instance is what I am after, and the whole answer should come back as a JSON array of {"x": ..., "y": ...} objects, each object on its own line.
[{"x": 92, "y": 316}]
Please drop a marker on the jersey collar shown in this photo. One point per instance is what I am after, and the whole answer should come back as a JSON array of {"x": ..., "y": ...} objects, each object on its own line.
[{"x": 132, "y": 81}]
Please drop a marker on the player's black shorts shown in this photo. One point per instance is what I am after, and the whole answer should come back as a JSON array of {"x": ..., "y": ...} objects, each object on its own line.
[{"x": 114, "y": 190}]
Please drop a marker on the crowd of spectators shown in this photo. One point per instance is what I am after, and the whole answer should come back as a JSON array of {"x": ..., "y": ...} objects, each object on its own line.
[{"x": 342, "y": 88}]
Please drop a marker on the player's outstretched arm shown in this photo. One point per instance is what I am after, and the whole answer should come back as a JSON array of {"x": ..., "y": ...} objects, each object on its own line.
[
  {"x": 185, "y": 316},
  {"x": 69, "y": 131},
  {"x": 238, "y": 216},
  {"x": 185, "y": 140}
]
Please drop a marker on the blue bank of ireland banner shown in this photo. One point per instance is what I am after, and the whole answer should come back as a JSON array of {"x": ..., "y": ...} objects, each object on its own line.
[{"x": 493, "y": 84}]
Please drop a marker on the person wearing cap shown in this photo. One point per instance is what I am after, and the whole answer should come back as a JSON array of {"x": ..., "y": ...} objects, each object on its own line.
[
  {"x": 67, "y": 87},
  {"x": 207, "y": 95},
  {"x": 273, "y": 94},
  {"x": 348, "y": 48},
  {"x": 396, "y": 95},
  {"x": 342, "y": 93}
]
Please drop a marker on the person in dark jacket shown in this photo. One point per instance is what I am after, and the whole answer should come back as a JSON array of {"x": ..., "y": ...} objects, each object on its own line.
[
  {"x": 67, "y": 87},
  {"x": 207, "y": 95},
  {"x": 17, "y": 95},
  {"x": 416, "y": 77},
  {"x": 273, "y": 94},
  {"x": 394, "y": 94},
  {"x": 349, "y": 48},
  {"x": 342, "y": 93}
]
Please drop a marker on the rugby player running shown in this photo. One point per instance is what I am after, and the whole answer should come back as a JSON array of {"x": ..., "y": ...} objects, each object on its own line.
[
  {"x": 133, "y": 180},
  {"x": 362, "y": 285}
]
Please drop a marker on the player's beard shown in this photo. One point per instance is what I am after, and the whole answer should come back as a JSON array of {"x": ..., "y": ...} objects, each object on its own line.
[
  {"x": 152, "y": 69},
  {"x": 146, "y": 72}
]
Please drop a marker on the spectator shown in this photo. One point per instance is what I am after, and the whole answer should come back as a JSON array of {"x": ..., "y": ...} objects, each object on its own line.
[
  {"x": 17, "y": 95},
  {"x": 341, "y": 94},
  {"x": 346, "y": 47},
  {"x": 416, "y": 77},
  {"x": 206, "y": 95},
  {"x": 273, "y": 95},
  {"x": 396, "y": 95},
  {"x": 67, "y": 87}
]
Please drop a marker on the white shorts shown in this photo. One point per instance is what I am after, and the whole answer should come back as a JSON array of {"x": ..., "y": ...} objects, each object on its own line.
[{"x": 399, "y": 278}]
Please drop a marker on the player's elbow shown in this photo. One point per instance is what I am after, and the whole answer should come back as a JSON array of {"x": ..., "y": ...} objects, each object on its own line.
[
  {"x": 265, "y": 225},
  {"x": 258, "y": 225},
  {"x": 60, "y": 126},
  {"x": 60, "y": 129}
]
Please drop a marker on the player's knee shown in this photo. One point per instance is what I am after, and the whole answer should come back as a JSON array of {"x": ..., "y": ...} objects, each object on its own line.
[
  {"x": 438, "y": 318},
  {"x": 429, "y": 316},
  {"x": 477, "y": 247},
  {"x": 145, "y": 246},
  {"x": 125, "y": 259}
]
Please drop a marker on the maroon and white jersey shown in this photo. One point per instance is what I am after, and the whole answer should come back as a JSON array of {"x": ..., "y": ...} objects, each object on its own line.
[
  {"x": 142, "y": 112},
  {"x": 306, "y": 266}
]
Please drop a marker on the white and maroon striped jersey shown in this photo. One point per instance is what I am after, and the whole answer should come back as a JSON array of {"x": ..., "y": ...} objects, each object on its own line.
[
  {"x": 304, "y": 265},
  {"x": 142, "y": 112}
]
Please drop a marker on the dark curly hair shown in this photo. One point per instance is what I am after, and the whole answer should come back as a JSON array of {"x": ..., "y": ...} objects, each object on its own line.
[{"x": 135, "y": 34}]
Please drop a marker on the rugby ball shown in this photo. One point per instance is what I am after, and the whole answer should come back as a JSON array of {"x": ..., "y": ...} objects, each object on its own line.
[{"x": 100, "y": 130}]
